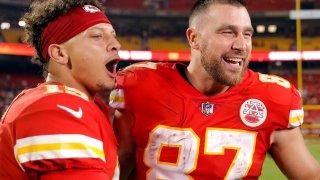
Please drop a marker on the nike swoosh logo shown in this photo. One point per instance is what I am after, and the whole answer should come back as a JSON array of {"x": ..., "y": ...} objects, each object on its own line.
[{"x": 77, "y": 114}]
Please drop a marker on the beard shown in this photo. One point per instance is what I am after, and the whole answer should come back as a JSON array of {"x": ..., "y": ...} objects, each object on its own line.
[{"x": 215, "y": 68}]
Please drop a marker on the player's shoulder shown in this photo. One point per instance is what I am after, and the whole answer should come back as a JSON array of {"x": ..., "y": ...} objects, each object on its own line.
[
  {"x": 141, "y": 66},
  {"x": 139, "y": 79},
  {"x": 145, "y": 67},
  {"x": 274, "y": 82},
  {"x": 55, "y": 93},
  {"x": 275, "y": 88},
  {"x": 143, "y": 72},
  {"x": 45, "y": 98}
]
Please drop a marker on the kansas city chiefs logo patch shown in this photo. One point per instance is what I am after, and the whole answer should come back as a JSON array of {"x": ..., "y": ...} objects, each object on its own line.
[
  {"x": 91, "y": 9},
  {"x": 253, "y": 112}
]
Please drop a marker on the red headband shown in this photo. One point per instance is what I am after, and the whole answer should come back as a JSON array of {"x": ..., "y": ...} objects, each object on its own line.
[{"x": 69, "y": 25}]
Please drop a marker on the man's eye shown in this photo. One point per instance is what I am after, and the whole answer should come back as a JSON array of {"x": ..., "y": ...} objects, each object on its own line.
[
  {"x": 248, "y": 35},
  {"x": 227, "y": 32},
  {"x": 97, "y": 36}
]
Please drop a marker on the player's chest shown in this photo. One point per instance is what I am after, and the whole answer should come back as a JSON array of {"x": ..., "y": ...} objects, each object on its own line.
[
  {"x": 238, "y": 112},
  {"x": 210, "y": 133}
]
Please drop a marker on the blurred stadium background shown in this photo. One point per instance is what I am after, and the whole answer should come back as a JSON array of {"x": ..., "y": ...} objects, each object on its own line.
[{"x": 286, "y": 43}]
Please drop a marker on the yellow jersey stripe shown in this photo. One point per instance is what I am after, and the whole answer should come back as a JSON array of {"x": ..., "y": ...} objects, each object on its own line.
[
  {"x": 296, "y": 118},
  {"x": 116, "y": 98},
  {"x": 58, "y": 146},
  {"x": 56, "y": 154},
  {"x": 62, "y": 146}
]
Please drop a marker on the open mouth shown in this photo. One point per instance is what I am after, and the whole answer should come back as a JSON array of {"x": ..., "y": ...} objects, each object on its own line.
[
  {"x": 112, "y": 66},
  {"x": 233, "y": 60}
]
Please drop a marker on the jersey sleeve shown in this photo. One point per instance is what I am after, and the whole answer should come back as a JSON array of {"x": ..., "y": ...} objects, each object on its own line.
[
  {"x": 59, "y": 133},
  {"x": 296, "y": 114},
  {"x": 117, "y": 99},
  {"x": 130, "y": 82},
  {"x": 285, "y": 100}
]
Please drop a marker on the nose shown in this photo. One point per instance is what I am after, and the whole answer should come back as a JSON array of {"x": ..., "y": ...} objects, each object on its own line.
[
  {"x": 114, "y": 45},
  {"x": 240, "y": 43}
]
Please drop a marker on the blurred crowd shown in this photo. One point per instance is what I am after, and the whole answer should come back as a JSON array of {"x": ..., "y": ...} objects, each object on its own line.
[
  {"x": 8, "y": 90},
  {"x": 10, "y": 86}
]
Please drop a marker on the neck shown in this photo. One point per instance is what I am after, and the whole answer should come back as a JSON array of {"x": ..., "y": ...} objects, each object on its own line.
[
  {"x": 204, "y": 83},
  {"x": 70, "y": 82}
]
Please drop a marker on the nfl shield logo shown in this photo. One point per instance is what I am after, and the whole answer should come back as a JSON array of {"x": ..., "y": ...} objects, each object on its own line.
[{"x": 207, "y": 108}]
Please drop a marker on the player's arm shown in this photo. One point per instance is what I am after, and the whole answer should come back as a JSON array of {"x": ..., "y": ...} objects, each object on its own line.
[
  {"x": 61, "y": 143},
  {"x": 290, "y": 153},
  {"x": 126, "y": 149}
]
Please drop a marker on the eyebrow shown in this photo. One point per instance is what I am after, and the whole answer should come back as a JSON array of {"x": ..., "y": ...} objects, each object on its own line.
[{"x": 102, "y": 29}]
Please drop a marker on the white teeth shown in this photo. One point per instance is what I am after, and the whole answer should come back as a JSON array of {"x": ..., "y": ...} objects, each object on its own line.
[{"x": 235, "y": 60}]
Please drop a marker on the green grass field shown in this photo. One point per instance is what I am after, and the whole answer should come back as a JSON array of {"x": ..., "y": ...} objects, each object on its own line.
[{"x": 271, "y": 171}]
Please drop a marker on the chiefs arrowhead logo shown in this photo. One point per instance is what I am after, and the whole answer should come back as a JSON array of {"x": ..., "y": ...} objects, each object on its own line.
[
  {"x": 91, "y": 9},
  {"x": 253, "y": 112}
]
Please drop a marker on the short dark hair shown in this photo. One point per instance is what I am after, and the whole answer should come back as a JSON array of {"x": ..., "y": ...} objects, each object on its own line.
[
  {"x": 201, "y": 5},
  {"x": 41, "y": 13}
]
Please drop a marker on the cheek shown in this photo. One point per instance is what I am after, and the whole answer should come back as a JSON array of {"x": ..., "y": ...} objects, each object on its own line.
[
  {"x": 249, "y": 45},
  {"x": 85, "y": 63},
  {"x": 81, "y": 68},
  {"x": 218, "y": 44},
  {"x": 213, "y": 49},
  {"x": 88, "y": 56}
]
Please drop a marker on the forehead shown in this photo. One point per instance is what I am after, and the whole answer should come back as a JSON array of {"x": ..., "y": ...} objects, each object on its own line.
[
  {"x": 102, "y": 26},
  {"x": 217, "y": 14}
]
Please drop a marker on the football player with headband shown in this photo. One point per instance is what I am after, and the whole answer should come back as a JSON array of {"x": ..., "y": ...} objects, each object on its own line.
[
  {"x": 59, "y": 129},
  {"x": 213, "y": 119}
]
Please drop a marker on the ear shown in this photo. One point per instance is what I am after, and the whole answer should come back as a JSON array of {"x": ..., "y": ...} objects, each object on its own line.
[
  {"x": 193, "y": 38},
  {"x": 58, "y": 53}
]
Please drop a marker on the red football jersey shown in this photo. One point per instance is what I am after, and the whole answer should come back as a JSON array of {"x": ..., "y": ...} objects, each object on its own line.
[
  {"x": 54, "y": 131},
  {"x": 182, "y": 134}
]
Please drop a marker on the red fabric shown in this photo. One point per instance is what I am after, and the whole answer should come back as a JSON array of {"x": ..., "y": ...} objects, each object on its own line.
[
  {"x": 39, "y": 107},
  {"x": 167, "y": 113},
  {"x": 69, "y": 25}
]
